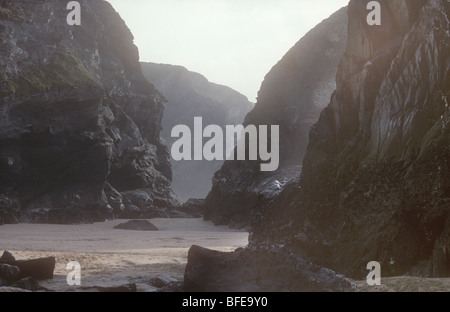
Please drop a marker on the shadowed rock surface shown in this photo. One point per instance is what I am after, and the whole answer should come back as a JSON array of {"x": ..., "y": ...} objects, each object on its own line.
[
  {"x": 257, "y": 269},
  {"x": 190, "y": 95},
  {"x": 12, "y": 290},
  {"x": 79, "y": 123},
  {"x": 111, "y": 289},
  {"x": 29, "y": 283},
  {"x": 162, "y": 280},
  {"x": 8, "y": 273},
  {"x": 12, "y": 270},
  {"x": 193, "y": 207},
  {"x": 41, "y": 268},
  {"x": 292, "y": 95},
  {"x": 137, "y": 225},
  {"x": 375, "y": 183}
]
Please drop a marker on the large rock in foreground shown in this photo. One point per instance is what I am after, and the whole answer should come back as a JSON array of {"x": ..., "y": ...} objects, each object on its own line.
[
  {"x": 8, "y": 273},
  {"x": 257, "y": 269},
  {"x": 12, "y": 270}
]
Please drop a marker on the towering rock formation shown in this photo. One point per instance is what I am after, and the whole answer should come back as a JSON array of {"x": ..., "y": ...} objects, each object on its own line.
[
  {"x": 291, "y": 96},
  {"x": 79, "y": 123},
  {"x": 375, "y": 183},
  {"x": 191, "y": 95}
]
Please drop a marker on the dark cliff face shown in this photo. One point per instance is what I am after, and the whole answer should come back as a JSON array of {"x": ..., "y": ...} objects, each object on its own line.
[
  {"x": 292, "y": 95},
  {"x": 191, "y": 95},
  {"x": 375, "y": 181},
  {"x": 79, "y": 124}
]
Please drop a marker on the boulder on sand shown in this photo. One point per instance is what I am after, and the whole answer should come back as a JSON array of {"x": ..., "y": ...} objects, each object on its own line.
[
  {"x": 41, "y": 268},
  {"x": 137, "y": 225},
  {"x": 258, "y": 269}
]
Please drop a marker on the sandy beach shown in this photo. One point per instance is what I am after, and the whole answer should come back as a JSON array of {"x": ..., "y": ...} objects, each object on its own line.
[{"x": 113, "y": 257}]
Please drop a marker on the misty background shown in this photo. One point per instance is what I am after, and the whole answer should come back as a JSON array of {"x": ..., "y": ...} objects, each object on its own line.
[{"x": 231, "y": 42}]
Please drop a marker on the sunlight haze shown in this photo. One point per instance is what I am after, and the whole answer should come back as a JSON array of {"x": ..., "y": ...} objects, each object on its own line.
[{"x": 230, "y": 42}]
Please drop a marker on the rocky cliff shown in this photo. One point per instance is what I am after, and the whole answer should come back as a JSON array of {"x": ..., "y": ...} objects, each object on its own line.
[
  {"x": 292, "y": 95},
  {"x": 375, "y": 184},
  {"x": 191, "y": 95},
  {"x": 79, "y": 123}
]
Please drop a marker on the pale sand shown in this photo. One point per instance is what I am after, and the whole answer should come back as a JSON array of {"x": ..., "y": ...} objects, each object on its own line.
[{"x": 110, "y": 257}]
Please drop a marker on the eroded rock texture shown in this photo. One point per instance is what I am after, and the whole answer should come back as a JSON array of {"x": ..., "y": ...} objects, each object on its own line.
[
  {"x": 258, "y": 269},
  {"x": 375, "y": 183},
  {"x": 79, "y": 123}
]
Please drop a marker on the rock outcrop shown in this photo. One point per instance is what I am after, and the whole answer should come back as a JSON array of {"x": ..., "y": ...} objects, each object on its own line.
[
  {"x": 291, "y": 96},
  {"x": 79, "y": 123},
  {"x": 257, "y": 269},
  {"x": 375, "y": 180},
  {"x": 137, "y": 225},
  {"x": 191, "y": 95}
]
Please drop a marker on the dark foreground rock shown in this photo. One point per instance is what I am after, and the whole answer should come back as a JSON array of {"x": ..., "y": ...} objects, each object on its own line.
[
  {"x": 28, "y": 283},
  {"x": 13, "y": 270},
  {"x": 122, "y": 288},
  {"x": 162, "y": 280},
  {"x": 137, "y": 225},
  {"x": 7, "y": 257},
  {"x": 12, "y": 290},
  {"x": 257, "y": 269},
  {"x": 8, "y": 273},
  {"x": 41, "y": 268}
]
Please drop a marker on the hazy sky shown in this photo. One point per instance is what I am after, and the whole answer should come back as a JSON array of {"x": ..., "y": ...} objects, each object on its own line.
[{"x": 230, "y": 42}]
